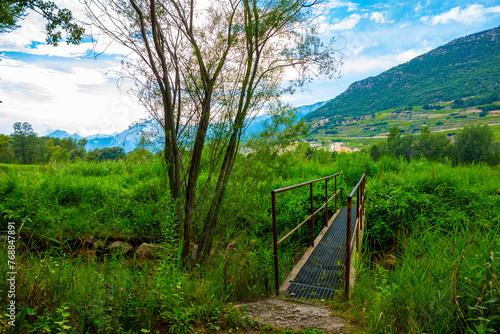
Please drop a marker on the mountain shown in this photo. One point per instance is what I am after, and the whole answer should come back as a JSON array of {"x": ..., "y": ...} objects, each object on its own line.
[
  {"x": 258, "y": 122},
  {"x": 63, "y": 134},
  {"x": 129, "y": 138},
  {"x": 465, "y": 67},
  {"x": 304, "y": 110}
]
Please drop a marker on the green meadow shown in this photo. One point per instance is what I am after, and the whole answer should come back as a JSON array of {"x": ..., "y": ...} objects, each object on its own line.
[{"x": 430, "y": 261}]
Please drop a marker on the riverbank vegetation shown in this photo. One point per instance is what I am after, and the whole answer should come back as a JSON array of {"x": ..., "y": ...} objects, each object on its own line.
[{"x": 430, "y": 262}]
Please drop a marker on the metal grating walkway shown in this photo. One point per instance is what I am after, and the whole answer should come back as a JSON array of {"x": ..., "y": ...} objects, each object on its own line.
[{"x": 323, "y": 272}]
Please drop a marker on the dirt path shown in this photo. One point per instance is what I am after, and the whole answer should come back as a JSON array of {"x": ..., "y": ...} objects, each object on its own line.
[{"x": 296, "y": 316}]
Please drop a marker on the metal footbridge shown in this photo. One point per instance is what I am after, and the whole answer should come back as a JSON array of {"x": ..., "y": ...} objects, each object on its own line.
[{"x": 325, "y": 268}]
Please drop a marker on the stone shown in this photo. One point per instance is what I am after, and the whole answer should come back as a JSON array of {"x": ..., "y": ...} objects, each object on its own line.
[
  {"x": 148, "y": 251},
  {"x": 120, "y": 247}
]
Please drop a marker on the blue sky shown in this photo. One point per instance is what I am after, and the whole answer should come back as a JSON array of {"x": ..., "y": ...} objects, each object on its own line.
[{"x": 67, "y": 88}]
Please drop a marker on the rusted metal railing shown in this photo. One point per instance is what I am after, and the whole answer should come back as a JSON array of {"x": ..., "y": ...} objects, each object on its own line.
[
  {"x": 359, "y": 190},
  {"x": 276, "y": 242}
]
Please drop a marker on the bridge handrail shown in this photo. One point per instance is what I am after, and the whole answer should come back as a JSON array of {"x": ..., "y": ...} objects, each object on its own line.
[
  {"x": 359, "y": 189},
  {"x": 310, "y": 217}
]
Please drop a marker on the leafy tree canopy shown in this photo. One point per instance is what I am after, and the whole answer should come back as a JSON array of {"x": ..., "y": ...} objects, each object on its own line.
[
  {"x": 24, "y": 142},
  {"x": 6, "y": 154},
  {"x": 474, "y": 143},
  {"x": 11, "y": 11}
]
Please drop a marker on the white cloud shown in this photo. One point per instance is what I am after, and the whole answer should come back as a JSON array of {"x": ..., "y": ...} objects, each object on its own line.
[
  {"x": 468, "y": 15},
  {"x": 326, "y": 25},
  {"x": 83, "y": 99},
  {"x": 357, "y": 50},
  {"x": 379, "y": 17},
  {"x": 369, "y": 65},
  {"x": 72, "y": 94},
  {"x": 340, "y": 3},
  {"x": 408, "y": 55},
  {"x": 32, "y": 29},
  {"x": 347, "y": 23}
]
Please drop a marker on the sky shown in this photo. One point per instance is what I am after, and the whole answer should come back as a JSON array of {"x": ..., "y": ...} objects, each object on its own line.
[{"x": 70, "y": 88}]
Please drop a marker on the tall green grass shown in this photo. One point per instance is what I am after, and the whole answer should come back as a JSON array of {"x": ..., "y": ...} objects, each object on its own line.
[
  {"x": 442, "y": 226},
  {"x": 85, "y": 198},
  {"x": 440, "y": 222},
  {"x": 109, "y": 294}
]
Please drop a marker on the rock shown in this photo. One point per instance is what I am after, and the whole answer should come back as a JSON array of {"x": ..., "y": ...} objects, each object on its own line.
[
  {"x": 148, "y": 251},
  {"x": 194, "y": 251},
  {"x": 120, "y": 247}
]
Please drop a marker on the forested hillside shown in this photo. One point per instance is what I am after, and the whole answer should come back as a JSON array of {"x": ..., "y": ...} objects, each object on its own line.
[{"x": 468, "y": 66}]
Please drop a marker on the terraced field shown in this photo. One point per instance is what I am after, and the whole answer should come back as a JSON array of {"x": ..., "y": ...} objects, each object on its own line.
[{"x": 364, "y": 131}]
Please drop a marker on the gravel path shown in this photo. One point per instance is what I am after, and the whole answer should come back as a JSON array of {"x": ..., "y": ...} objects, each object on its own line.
[{"x": 296, "y": 316}]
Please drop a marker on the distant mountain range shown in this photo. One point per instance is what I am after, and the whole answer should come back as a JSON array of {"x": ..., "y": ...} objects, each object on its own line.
[
  {"x": 465, "y": 67},
  {"x": 129, "y": 138}
]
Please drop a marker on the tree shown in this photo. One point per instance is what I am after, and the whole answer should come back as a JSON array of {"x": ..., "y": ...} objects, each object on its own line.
[
  {"x": 377, "y": 150},
  {"x": 24, "y": 142},
  {"x": 394, "y": 134},
  {"x": 204, "y": 70},
  {"x": 431, "y": 145},
  {"x": 474, "y": 143},
  {"x": 78, "y": 153},
  {"x": 111, "y": 153},
  {"x": 11, "y": 11},
  {"x": 400, "y": 145},
  {"x": 60, "y": 155},
  {"x": 94, "y": 155},
  {"x": 6, "y": 154}
]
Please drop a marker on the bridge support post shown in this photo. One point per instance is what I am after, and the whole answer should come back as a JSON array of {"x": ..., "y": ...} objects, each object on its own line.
[
  {"x": 348, "y": 249},
  {"x": 335, "y": 193},
  {"x": 326, "y": 199},
  {"x": 275, "y": 244},
  {"x": 312, "y": 213}
]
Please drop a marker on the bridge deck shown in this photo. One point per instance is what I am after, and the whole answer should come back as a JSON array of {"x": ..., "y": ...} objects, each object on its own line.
[{"x": 321, "y": 270}]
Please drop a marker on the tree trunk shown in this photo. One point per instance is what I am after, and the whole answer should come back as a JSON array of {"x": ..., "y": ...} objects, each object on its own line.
[
  {"x": 194, "y": 173},
  {"x": 213, "y": 214},
  {"x": 174, "y": 184}
]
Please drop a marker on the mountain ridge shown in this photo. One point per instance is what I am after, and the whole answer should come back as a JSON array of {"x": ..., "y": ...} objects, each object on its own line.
[
  {"x": 129, "y": 138},
  {"x": 465, "y": 67}
]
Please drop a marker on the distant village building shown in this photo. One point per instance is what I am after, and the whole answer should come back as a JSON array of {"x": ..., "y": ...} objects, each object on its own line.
[{"x": 339, "y": 148}]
